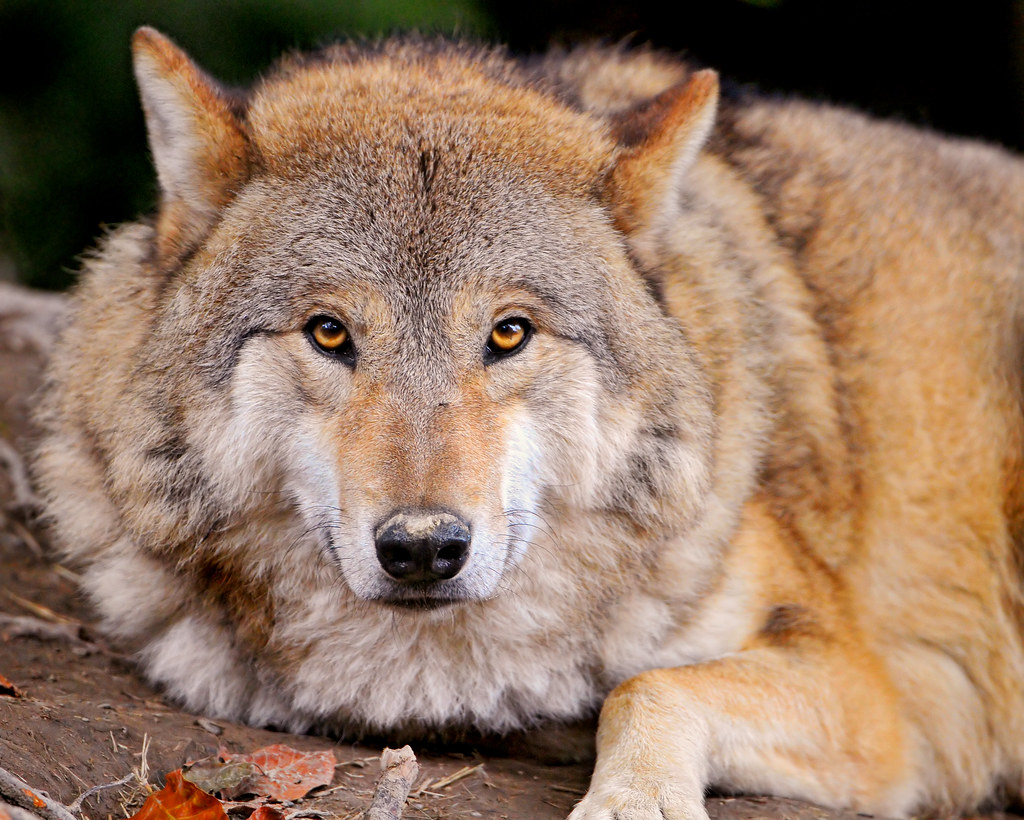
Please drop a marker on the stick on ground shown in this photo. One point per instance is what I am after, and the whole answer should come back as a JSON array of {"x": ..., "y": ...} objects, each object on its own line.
[
  {"x": 76, "y": 807},
  {"x": 11, "y": 462},
  {"x": 14, "y": 812},
  {"x": 399, "y": 769},
  {"x": 16, "y": 791},
  {"x": 27, "y": 626}
]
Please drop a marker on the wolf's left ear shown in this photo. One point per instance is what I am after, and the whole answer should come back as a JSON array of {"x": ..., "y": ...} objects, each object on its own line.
[
  {"x": 661, "y": 140},
  {"x": 198, "y": 143}
]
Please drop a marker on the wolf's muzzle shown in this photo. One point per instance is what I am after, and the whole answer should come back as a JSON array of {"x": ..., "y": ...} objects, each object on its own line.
[{"x": 422, "y": 546}]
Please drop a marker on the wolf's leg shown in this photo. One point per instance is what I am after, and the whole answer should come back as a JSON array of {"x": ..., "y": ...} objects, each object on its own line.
[{"x": 809, "y": 721}]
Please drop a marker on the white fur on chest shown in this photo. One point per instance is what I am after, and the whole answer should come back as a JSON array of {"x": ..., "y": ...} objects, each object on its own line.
[
  {"x": 495, "y": 668},
  {"x": 549, "y": 647}
]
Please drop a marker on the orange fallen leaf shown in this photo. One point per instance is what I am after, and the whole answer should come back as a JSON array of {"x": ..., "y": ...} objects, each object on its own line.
[
  {"x": 8, "y": 689},
  {"x": 286, "y": 773},
  {"x": 180, "y": 800}
]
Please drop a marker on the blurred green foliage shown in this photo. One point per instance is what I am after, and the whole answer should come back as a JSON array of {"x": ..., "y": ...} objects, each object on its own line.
[
  {"x": 72, "y": 140},
  {"x": 72, "y": 143}
]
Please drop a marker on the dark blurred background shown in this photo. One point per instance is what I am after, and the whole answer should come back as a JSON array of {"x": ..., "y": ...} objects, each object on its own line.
[{"x": 72, "y": 144}]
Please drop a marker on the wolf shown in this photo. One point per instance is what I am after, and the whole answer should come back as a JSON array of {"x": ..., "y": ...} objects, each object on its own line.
[{"x": 450, "y": 391}]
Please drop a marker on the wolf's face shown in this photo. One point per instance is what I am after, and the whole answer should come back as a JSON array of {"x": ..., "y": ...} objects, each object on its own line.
[
  {"x": 414, "y": 321},
  {"x": 420, "y": 376}
]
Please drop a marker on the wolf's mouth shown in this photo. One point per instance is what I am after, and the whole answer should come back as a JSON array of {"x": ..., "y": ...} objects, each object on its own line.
[{"x": 424, "y": 603}]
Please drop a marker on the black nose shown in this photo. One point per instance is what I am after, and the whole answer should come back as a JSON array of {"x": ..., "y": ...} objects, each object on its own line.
[{"x": 422, "y": 546}]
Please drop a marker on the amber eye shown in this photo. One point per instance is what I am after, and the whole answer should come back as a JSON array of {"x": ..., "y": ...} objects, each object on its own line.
[
  {"x": 508, "y": 336},
  {"x": 330, "y": 336}
]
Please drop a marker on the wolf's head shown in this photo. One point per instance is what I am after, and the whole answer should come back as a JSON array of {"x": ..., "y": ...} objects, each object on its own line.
[{"x": 397, "y": 294}]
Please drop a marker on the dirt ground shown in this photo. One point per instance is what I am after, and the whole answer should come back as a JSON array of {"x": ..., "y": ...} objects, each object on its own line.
[{"x": 81, "y": 716}]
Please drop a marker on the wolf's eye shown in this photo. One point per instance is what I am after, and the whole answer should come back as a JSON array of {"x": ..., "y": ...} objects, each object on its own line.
[
  {"x": 508, "y": 336},
  {"x": 330, "y": 336}
]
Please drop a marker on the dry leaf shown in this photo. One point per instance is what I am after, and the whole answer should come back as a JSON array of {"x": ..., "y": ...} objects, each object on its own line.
[
  {"x": 287, "y": 774},
  {"x": 180, "y": 800},
  {"x": 266, "y": 813},
  {"x": 229, "y": 780},
  {"x": 8, "y": 689},
  {"x": 273, "y": 773}
]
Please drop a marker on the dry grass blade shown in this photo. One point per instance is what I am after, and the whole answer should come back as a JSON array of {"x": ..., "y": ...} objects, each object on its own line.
[
  {"x": 142, "y": 772},
  {"x": 40, "y": 611},
  {"x": 444, "y": 782},
  {"x": 67, "y": 574},
  {"x": 26, "y": 537}
]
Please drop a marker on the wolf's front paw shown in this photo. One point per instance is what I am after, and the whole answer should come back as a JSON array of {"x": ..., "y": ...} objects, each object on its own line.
[{"x": 631, "y": 803}]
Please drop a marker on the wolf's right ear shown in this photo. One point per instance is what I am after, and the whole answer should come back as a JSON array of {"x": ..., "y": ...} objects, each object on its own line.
[{"x": 198, "y": 143}]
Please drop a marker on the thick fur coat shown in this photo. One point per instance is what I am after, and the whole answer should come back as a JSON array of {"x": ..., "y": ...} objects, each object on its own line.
[{"x": 546, "y": 385}]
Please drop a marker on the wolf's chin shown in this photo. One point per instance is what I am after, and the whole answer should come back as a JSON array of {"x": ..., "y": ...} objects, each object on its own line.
[{"x": 426, "y": 596}]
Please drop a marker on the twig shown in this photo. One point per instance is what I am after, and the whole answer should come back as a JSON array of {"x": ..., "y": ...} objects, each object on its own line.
[
  {"x": 18, "y": 792},
  {"x": 77, "y": 805},
  {"x": 64, "y": 629},
  {"x": 27, "y": 626},
  {"x": 399, "y": 769},
  {"x": 15, "y": 812}
]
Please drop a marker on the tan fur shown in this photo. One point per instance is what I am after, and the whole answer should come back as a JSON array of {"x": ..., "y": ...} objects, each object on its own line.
[{"x": 753, "y": 481}]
